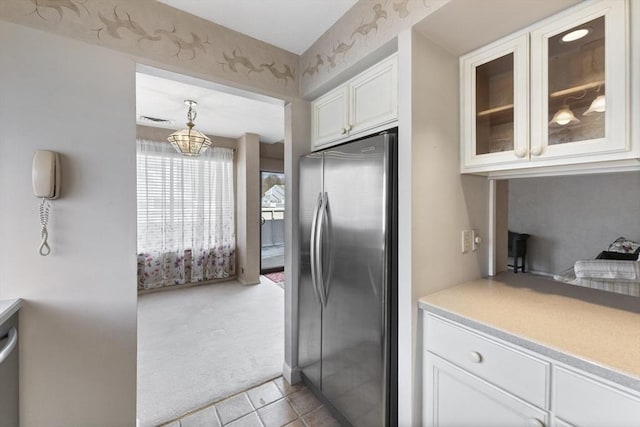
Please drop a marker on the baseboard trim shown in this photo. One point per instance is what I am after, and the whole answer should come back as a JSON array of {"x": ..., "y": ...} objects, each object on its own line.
[
  {"x": 292, "y": 375},
  {"x": 248, "y": 282},
  {"x": 186, "y": 285}
]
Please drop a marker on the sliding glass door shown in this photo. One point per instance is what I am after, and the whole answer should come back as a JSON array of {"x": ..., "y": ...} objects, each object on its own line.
[{"x": 272, "y": 220}]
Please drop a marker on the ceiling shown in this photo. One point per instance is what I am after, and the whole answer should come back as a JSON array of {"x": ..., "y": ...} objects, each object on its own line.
[
  {"x": 293, "y": 25},
  {"x": 221, "y": 111}
]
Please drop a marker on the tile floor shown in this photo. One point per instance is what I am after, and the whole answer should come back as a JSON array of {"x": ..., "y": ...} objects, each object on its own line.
[{"x": 272, "y": 404}]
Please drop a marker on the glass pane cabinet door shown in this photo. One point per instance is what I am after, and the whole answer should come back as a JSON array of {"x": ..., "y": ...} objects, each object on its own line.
[
  {"x": 495, "y": 94},
  {"x": 578, "y": 84},
  {"x": 576, "y": 89},
  {"x": 494, "y": 106}
]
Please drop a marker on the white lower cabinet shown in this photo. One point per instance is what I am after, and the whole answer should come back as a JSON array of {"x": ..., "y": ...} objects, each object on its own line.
[
  {"x": 457, "y": 398},
  {"x": 583, "y": 400},
  {"x": 524, "y": 376},
  {"x": 473, "y": 379}
]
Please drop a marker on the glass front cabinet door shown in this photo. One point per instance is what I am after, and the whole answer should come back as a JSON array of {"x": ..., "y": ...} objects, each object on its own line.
[
  {"x": 579, "y": 85},
  {"x": 494, "y": 103}
]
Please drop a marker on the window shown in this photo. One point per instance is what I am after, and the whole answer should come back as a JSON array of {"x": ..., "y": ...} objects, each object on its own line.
[{"x": 186, "y": 218}]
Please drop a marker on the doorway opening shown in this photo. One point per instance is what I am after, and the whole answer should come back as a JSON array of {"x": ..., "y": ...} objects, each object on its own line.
[
  {"x": 209, "y": 326},
  {"x": 272, "y": 225}
]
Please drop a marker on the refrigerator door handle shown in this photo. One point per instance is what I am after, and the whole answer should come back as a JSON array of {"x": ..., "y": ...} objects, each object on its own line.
[
  {"x": 313, "y": 248},
  {"x": 329, "y": 228},
  {"x": 323, "y": 289}
]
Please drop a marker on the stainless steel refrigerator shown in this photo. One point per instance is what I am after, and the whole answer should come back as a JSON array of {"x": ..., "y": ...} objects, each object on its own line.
[{"x": 347, "y": 339}]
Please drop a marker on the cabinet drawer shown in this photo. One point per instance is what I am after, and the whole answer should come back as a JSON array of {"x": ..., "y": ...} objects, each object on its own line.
[
  {"x": 520, "y": 374},
  {"x": 583, "y": 401},
  {"x": 451, "y": 388}
]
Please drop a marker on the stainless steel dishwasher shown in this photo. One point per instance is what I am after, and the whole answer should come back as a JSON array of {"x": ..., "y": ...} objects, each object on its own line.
[{"x": 9, "y": 409}]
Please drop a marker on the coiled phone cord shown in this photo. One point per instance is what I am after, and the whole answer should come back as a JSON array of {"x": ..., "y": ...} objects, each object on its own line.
[{"x": 44, "y": 248}]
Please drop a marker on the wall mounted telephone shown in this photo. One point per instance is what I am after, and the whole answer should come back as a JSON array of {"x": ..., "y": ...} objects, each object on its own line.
[{"x": 46, "y": 185}]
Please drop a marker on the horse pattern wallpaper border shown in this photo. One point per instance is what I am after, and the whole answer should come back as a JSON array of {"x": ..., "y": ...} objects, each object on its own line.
[
  {"x": 153, "y": 30},
  {"x": 365, "y": 27},
  {"x": 166, "y": 37}
]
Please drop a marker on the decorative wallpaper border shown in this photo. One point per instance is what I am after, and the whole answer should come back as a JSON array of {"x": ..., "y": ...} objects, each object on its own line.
[
  {"x": 153, "y": 30},
  {"x": 367, "y": 26},
  {"x": 166, "y": 37}
]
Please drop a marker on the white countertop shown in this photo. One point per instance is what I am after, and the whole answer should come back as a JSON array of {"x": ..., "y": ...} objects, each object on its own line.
[
  {"x": 591, "y": 329},
  {"x": 8, "y": 307}
]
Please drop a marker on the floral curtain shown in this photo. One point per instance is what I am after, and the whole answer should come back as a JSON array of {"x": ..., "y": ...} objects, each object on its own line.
[{"x": 186, "y": 215}]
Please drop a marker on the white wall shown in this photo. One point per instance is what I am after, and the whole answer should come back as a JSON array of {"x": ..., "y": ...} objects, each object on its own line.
[
  {"x": 573, "y": 217},
  {"x": 248, "y": 209},
  {"x": 435, "y": 201},
  {"x": 272, "y": 157},
  {"x": 297, "y": 117},
  {"x": 78, "y": 323}
]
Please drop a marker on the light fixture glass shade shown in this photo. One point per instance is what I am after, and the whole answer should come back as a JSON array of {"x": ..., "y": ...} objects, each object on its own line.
[
  {"x": 189, "y": 142},
  {"x": 563, "y": 116},
  {"x": 575, "y": 35},
  {"x": 599, "y": 105}
]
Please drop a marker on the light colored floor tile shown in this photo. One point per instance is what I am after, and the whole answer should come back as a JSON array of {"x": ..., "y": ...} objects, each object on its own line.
[
  {"x": 287, "y": 388},
  {"x": 172, "y": 424},
  {"x": 204, "y": 418},
  {"x": 359, "y": 401},
  {"x": 234, "y": 408},
  {"x": 277, "y": 414},
  {"x": 303, "y": 401},
  {"x": 250, "y": 420},
  {"x": 296, "y": 423},
  {"x": 321, "y": 417},
  {"x": 264, "y": 394},
  {"x": 370, "y": 418}
]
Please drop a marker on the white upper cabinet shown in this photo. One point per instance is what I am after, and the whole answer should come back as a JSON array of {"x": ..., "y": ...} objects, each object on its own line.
[
  {"x": 367, "y": 102},
  {"x": 574, "y": 68},
  {"x": 330, "y": 116},
  {"x": 495, "y": 104},
  {"x": 579, "y": 86},
  {"x": 374, "y": 97}
]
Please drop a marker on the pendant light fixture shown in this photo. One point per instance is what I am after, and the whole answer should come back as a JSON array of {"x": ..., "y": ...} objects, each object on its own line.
[
  {"x": 563, "y": 116},
  {"x": 190, "y": 142},
  {"x": 598, "y": 105}
]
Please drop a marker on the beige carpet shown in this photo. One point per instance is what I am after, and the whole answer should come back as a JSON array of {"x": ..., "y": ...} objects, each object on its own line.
[{"x": 199, "y": 345}]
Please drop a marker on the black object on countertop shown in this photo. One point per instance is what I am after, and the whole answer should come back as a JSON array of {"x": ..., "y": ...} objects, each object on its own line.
[{"x": 517, "y": 248}]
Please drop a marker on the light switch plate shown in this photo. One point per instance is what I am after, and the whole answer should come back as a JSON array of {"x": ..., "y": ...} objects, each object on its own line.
[
  {"x": 475, "y": 240},
  {"x": 466, "y": 241}
]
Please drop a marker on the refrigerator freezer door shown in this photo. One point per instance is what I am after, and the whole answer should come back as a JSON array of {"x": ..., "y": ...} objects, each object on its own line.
[
  {"x": 354, "y": 352},
  {"x": 309, "y": 307}
]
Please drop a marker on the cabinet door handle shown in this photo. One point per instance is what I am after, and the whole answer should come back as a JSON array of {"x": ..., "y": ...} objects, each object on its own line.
[
  {"x": 520, "y": 152},
  {"x": 536, "y": 150},
  {"x": 475, "y": 357},
  {"x": 534, "y": 422},
  {"x": 343, "y": 131},
  {"x": 11, "y": 344}
]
